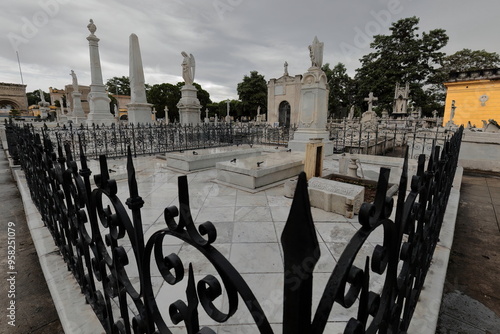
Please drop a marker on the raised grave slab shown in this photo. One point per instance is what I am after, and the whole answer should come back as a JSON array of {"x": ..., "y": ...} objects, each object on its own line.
[
  {"x": 334, "y": 196},
  {"x": 208, "y": 157},
  {"x": 259, "y": 171}
]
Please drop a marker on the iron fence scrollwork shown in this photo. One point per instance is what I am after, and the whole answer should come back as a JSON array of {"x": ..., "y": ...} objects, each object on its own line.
[{"x": 91, "y": 224}]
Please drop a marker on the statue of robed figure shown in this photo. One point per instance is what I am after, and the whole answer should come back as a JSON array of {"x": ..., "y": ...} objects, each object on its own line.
[{"x": 188, "y": 68}]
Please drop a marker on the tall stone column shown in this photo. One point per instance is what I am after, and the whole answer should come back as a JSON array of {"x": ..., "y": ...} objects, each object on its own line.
[
  {"x": 98, "y": 98},
  {"x": 313, "y": 109},
  {"x": 139, "y": 110}
]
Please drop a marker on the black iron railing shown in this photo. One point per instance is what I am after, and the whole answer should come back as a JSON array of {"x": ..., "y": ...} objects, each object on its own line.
[
  {"x": 113, "y": 140},
  {"x": 89, "y": 225},
  {"x": 386, "y": 138}
]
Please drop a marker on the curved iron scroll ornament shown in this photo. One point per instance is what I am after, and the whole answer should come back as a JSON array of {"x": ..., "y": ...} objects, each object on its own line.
[{"x": 90, "y": 227}]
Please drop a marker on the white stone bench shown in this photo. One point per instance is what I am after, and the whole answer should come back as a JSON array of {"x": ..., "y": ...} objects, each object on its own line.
[
  {"x": 256, "y": 172},
  {"x": 190, "y": 160}
]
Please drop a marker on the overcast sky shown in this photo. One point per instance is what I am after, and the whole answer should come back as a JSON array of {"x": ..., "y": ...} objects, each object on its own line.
[{"x": 229, "y": 38}]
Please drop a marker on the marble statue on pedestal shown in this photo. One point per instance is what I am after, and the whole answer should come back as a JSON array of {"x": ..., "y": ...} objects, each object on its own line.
[
  {"x": 189, "y": 105},
  {"x": 74, "y": 81},
  {"x": 316, "y": 53},
  {"x": 313, "y": 107},
  {"x": 78, "y": 115},
  {"x": 188, "y": 68}
]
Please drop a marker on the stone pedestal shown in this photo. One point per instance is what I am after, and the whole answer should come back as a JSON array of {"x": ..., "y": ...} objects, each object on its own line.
[
  {"x": 78, "y": 115},
  {"x": 139, "y": 113},
  {"x": 44, "y": 112},
  {"x": 99, "y": 106},
  {"x": 189, "y": 105},
  {"x": 313, "y": 112}
]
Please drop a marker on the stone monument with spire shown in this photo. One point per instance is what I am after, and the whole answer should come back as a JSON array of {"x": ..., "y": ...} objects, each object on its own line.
[
  {"x": 189, "y": 105},
  {"x": 98, "y": 98},
  {"x": 139, "y": 110},
  {"x": 313, "y": 108}
]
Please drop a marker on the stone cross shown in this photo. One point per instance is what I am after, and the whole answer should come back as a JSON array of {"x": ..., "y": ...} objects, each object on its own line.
[
  {"x": 206, "y": 112},
  {"x": 370, "y": 99},
  {"x": 228, "y": 106},
  {"x": 166, "y": 114},
  {"x": 286, "y": 68}
]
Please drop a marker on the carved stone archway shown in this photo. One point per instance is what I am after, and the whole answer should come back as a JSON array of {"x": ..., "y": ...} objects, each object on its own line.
[
  {"x": 13, "y": 95},
  {"x": 284, "y": 113}
]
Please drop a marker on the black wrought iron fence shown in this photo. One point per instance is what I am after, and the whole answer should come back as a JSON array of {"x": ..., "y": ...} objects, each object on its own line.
[
  {"x": 113, "y": 140},
  {"x": 386, "y": 138},
  {"x": 90, "y": 224}
]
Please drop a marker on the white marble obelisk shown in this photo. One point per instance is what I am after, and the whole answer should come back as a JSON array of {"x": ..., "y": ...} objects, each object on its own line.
[
  {"x": 139, "y": 110},
  {"x": 98, "y": 98},
  {"x": 313, "y": 108}
]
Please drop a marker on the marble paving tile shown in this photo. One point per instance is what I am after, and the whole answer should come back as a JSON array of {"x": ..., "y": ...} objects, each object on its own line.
[
  {"x": 268, "y": 290},
  {"x": 323, "y": 216},
  {"x": 335, "y": 232},
  {"x": 201, "y": 265},
  {"x": 253, "y": 232},
  {"x": 251, "y": 200},
  {"x": 279, "y": 200},
  {"x": 252, "y": 214},
  {"x": 215, "y": 214},
  {"x": 220, "y": 190},
  {"x": 279, "y": 213},
  {"x": 224, "y": 232},
  {"x": 256, "y": 257},
  {"x": 220, "y": 201},
  {"x": 275, "y": 191},
  {"x": 338, "y": 313}
]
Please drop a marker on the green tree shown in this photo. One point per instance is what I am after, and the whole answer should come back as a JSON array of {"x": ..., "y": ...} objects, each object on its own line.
[
  {"x": 118, "y": 85},
  {"x": 342, "y": 90},
  {"x": 252, "y": 92},
  {"x": 402, "y": 56},
  {"x": 34, "y": 97},
  {"x": 165, "y": 95}
]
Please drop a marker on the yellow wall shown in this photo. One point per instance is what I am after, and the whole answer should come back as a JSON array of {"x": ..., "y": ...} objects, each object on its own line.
[{"x": 466, "y": 95}]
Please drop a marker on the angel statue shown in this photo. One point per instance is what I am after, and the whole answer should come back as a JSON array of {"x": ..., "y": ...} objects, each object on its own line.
[
  {"x": 188, "y": 67},
  {"x": 316, "y": 53}
]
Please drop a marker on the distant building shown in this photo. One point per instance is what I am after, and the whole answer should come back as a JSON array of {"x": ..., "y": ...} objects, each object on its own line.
[
  {"x": 13, "y": 97},
  {"x": 476, "y": 95}
]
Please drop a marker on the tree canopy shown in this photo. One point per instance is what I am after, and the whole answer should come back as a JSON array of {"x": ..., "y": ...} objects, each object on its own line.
[
  {"x": 118, "y": 85},
  {"x": 403, "y": 56},
  {"x": 342, "y": 89},
  {"x": 252, "y": 92}
]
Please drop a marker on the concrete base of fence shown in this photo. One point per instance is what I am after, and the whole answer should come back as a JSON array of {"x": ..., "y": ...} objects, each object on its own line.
[{"x": 75, "y": 314}]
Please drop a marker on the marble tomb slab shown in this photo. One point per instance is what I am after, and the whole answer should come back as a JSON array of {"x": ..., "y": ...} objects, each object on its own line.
[
  {"x": 334, "y": 196},
  {"x": 190, "y": 160},
  {"x": 259, "y": 171}
]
